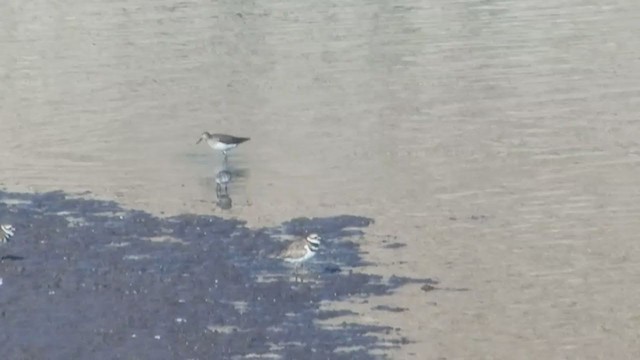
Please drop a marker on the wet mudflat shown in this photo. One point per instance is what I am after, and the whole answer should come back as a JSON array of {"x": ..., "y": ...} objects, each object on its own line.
[{"x": 87, "y": 279}]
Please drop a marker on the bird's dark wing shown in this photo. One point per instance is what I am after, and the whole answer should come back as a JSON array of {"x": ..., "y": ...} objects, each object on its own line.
[{"x": 229, "y": 139}]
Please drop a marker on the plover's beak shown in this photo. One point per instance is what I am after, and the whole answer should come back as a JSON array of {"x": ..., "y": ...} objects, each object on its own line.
[{"x": 198, "y": 142}]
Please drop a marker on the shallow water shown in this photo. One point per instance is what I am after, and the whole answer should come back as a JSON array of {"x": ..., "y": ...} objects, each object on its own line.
[{"x": 497, "y": 139}]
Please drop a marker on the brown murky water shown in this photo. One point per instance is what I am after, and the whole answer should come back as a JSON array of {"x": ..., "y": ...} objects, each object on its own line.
[{"x": 497, "y": 139}]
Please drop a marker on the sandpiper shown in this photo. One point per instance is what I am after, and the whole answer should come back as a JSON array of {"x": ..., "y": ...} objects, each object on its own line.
[
  {"x": 6, "y": 232},
  {"x": 299, "y": 252},
  {"x": 222, "y": 142}
]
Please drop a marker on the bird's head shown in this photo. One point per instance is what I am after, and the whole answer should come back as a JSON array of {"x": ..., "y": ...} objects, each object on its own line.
[
  {"x": 313, "y": 240},
  {"x": 205, "y": 136}
]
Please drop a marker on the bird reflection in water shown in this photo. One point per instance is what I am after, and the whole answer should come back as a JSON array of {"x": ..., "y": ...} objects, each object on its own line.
[{"x": 225, "y": 176}]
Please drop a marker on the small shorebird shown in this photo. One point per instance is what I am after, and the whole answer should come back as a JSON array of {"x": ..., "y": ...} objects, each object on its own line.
[
  {"x": 222, "y": 142},
  {"x": 6, "y": 232},
  {"x": 299, "y": 252}
]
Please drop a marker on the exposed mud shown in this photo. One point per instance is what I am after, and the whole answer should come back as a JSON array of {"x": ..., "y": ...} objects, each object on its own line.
[{"x": 87, "y": 279}]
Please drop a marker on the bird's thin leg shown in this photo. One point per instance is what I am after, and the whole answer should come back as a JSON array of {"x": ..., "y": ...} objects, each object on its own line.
[{"x": 296, "y": 273}]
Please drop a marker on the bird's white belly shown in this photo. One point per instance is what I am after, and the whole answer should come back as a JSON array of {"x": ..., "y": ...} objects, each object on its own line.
[{"x": 221, "y": 146}]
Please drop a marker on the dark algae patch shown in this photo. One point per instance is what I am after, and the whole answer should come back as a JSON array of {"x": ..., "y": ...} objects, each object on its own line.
[
  {"x": 389, "y": 308},
  {"x": 86, "y": 279}
]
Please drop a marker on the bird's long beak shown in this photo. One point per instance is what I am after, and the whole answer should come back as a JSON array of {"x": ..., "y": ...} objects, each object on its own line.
[{"x": 198, "y": 142}]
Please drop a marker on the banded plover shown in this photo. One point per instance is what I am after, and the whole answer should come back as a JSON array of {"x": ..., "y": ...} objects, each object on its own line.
[
  {"x": 222, "y": 142},
  {"x": 301, "y": 251},
  {"x": 6, "y": 232}
]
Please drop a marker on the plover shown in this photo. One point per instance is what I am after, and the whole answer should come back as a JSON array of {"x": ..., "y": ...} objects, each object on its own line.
[
  {"x": 301, "y": 251},
  {"x": 6, "y": 232},
  {"x": 222, "y": 142}
]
